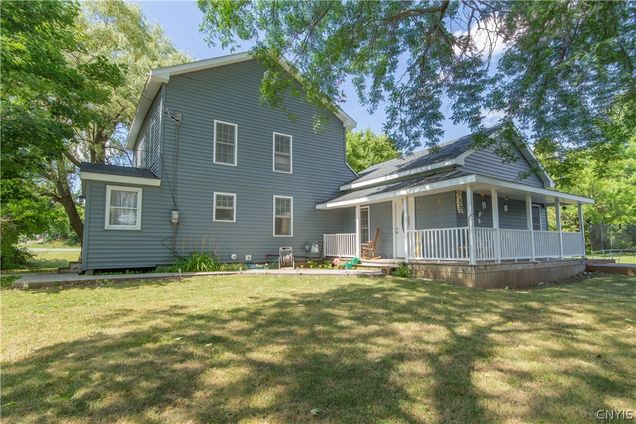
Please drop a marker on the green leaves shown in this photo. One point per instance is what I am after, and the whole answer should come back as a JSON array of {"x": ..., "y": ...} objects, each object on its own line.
[
  {"x": 365, "y": 149},
  {"x": 567, "y": 64}
]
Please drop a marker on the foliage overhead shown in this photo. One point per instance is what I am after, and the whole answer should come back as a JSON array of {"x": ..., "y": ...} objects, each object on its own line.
[
  {"x": 71, "y": 79},
  {"x": 365, "y": 149},
  {"x": 561, "y": 69}
]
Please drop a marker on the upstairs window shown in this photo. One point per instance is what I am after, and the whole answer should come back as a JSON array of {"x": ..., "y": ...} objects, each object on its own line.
[
  {"x": 225, "y": 207},
  {"x": 283, "y": 216},
  {"x": 123, "y": 208},
  {"x": 225, "y": 143},
  {"x": 282, "y": 153}
]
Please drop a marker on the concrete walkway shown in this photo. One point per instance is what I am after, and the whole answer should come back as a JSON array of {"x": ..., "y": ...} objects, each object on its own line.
[{"x": 32, "y": 281}]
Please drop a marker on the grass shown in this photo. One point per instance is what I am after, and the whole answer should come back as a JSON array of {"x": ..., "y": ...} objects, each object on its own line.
[
  {"x": 53, "y": 244},
  {"x": 47, "y": 261},
  {"x": 272, "y": 348},
  {"x": 623, "y": 259}
]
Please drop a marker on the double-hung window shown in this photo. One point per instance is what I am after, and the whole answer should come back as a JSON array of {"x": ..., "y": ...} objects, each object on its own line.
[
  {"x": 282, "y": 153},
  {"x": 123, "y": 208},
  {"x": 224, "y": 207},
  {"x": 225, "y": 143},
  {"x": 140, "y": 153},
  {"x": 283, "y": 216}
]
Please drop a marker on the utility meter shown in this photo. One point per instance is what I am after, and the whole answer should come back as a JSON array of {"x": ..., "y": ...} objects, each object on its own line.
[{"x": 174, "y": 217}]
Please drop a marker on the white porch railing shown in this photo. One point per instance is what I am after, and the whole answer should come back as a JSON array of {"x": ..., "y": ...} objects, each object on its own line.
[
  {"x": 342, "y": 245},
  {"x": 439, "y": 244},
  {"x": 573, "y": 244},
  {"x": 453, "y": 244}
]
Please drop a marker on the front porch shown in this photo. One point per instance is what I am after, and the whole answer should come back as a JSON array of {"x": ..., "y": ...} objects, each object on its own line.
[{"x": 502, "y": 222}]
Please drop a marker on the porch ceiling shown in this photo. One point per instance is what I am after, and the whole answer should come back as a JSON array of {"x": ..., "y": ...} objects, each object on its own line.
[{"x": 449, "y": 181}]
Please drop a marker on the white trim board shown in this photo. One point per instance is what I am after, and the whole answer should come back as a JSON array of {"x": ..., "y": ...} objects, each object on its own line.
[
  {"x": 110, "y": 178},
  {"x": 161, "y": 76},
  {"x": 452, "y": 183}
]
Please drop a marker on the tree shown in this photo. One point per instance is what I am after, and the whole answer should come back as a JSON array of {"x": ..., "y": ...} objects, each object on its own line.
[
  {"x": 108, "y": 44},
  {"x": 564, "y": 66},
  {"x": 45, "y": 98},
  {"x": 365, "y": 149}
]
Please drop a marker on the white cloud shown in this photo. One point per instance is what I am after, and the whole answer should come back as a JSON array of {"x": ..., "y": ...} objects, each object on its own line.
[{"x": 484, "y": 38}]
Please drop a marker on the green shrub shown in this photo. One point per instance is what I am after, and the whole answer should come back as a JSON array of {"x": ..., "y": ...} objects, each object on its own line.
[
  {"x": 196, "y": 262},
  {"x": 203, "y": 262},
  {"x": 11, "y": 256},
  {"x": 402, "y": 271}
]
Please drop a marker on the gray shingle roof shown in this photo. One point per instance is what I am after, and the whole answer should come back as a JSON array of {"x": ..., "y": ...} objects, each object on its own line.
[
  {"x": 414, "y": 182},
  {"x": 125, "y": 171},
  {"x": 445, "y": 151}
]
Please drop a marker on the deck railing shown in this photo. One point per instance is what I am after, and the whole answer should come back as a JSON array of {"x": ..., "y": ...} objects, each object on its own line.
[
  {"x": 452, "y": 244},
  {"x": 439, "y": 244},
  {"x": 342, "y": 245},
  {"x": 491, "y": 244}
]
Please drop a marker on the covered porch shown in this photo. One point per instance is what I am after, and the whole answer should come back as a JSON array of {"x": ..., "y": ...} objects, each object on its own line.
[{"x": 467, "y": 219}]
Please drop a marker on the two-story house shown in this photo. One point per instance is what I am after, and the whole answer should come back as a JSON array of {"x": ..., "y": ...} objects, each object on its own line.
[{"x": 217, "y": 171}]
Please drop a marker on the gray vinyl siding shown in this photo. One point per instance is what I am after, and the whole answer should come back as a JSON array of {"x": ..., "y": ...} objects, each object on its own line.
[
  {"x": 151, "y": 129},
  {"x": 127, "y": 248},
  {"x": 436, "y": 211},
  {"x": 381, "y": 216},
  {"x": 228, "y": 93},
  {"x": 486, "y": 162}
]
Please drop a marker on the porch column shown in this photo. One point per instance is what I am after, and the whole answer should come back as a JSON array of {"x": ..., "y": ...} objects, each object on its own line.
[
  {"x": 495, "y": 224},
  {"x": 405, "y": 225},
  {"x": 581, "y": 226},
  {"x": 357, "y": 231},
  {"x": 529, "y": 221},
  {"x": 557, "y": 210},
  {"x": 471, "y": 225}
]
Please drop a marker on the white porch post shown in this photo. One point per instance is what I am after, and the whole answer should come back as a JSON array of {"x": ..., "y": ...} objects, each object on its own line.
[
  {"x": 557, "y": 210},
  {"x": 581, "y": 226},
  {"x": 495, "y": 224},
  {"x": 405, "y": 225},
  {"x": 357, "y": 231},
  {"x": 471, "y": 225},
  {"x": 529, "y": 221}
]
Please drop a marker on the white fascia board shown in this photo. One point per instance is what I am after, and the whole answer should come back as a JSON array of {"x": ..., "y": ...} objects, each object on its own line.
[
  {"x": 440, "y": 185},
  {"x": 110, "y": 178},
  {"x": 396, "y": 175},
  {"x": 569, "y": 198}
]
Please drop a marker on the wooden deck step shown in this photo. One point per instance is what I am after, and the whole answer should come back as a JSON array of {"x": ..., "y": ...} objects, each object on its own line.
[{"x": 627, "y": 269}]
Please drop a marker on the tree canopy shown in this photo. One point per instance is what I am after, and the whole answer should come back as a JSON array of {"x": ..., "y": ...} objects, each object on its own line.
[
  {"x": 364, "y": 149},
  {"x": 72, "y": 75},
  {"x": 562, "y": 68}
]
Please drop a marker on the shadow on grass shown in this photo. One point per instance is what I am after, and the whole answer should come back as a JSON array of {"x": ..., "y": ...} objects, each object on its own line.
[{"x": 399, "y": 351}]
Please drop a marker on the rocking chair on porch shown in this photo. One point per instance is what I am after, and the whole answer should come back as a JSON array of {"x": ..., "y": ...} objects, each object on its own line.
[{"x": 369, "y": 248}]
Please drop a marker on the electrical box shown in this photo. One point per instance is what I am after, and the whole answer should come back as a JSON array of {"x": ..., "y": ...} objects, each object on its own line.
[
  {"x": 174, "y": 217},
  {"x": 248, "y": 258}
]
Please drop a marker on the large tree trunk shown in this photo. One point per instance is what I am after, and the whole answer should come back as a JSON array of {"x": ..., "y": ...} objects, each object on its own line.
[{"x": 64, "y": 196}]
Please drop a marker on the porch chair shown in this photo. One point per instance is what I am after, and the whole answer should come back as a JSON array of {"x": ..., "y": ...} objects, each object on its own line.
[
  {"x": 369, "y": 248},
  {"x": 286, "y": 257}
]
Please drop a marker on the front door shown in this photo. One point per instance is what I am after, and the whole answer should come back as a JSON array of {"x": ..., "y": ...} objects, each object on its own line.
[{"x": 398, "y": 229}]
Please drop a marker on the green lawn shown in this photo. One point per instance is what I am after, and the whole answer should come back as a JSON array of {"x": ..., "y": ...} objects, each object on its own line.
[
  {"x": 270, "y": 349},
  {"x": 47, "y": 261},
  {"x": 623, "y": 259}
]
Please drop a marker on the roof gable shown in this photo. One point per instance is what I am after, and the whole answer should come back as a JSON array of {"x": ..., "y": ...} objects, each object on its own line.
[{"x": 161, "y": 76}]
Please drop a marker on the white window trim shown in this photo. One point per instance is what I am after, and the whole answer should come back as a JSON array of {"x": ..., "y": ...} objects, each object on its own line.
[
  {"x": 216, "y": 121},
  {"x": 214, "y": 207},
  {"x": 291, "y": 153},
  {"x": 368, "y": 209},
  {"x": 291, "y": 224},
  {"x": 109, "y": 189}
]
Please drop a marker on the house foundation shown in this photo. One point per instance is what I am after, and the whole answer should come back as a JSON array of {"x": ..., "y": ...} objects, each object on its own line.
[{"x": 495, "y": 276}]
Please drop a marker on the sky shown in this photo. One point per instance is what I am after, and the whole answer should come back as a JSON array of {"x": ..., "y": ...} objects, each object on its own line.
[{"x": 180, "y": 21}]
